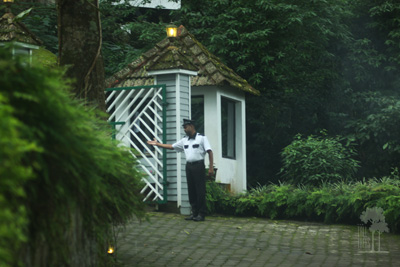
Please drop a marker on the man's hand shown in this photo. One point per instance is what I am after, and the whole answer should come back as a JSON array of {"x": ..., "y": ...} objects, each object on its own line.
[
  {"x": 211, "y": 171},
  {"x": 156, "y": 143},
  {"x": 153, "y": 143}
]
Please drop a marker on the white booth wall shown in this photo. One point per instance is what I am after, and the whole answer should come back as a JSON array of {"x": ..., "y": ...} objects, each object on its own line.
[{"x": 230, "y": 170}]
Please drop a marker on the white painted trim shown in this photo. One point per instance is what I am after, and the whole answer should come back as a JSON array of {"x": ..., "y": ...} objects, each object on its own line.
[
  {"x": 244, "y": 142},
  {"x": 25, "y": 45},
  {"x": 178, "y": 130},
  {"x": 190, "y": 97},
  {"x": 172, "y": 71},
  {"x": 219, "y": 122},
  {"x": 239, "y": 181}
]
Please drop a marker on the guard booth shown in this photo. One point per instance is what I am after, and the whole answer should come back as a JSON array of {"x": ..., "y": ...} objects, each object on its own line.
[
  {"x": 23, "y": 41},
  {"x": 197, "y": 86}
]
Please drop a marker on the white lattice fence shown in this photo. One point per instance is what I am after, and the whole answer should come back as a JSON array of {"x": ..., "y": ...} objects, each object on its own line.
[{"x": 137, "y": 115}]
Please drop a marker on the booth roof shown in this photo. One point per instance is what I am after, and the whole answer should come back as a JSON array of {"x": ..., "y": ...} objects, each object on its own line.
[
  {"x": 15, "y": 31},
  {"x": 181, "y": 52}
]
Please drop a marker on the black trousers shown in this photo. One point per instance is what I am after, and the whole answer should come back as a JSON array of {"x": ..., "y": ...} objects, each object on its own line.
[{"x": 196, "y": 179}]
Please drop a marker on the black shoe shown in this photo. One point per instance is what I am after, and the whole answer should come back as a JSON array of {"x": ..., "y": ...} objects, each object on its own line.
[
  {"x": 190, "y": 218},
  {"x": 199, "y": 218}
]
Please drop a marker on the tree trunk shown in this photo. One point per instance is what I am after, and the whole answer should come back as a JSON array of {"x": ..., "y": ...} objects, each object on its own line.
[{"x": 79, "y": 37}]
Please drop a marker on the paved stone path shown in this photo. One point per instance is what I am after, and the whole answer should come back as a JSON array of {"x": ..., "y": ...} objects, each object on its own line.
[{"x": 168, "y": 240}]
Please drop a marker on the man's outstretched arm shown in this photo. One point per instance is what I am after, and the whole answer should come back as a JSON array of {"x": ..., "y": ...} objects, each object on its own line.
[{"x": 155, "y": 143}]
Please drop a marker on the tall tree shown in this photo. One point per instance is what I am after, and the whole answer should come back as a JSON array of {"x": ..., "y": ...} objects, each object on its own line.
[{"x": 80, "y": 39}]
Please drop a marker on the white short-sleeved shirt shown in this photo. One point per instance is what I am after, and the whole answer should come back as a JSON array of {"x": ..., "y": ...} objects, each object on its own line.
[{"x": 195, "y": 148}]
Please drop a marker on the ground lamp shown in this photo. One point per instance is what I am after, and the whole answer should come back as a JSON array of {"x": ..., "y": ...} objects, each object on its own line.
[
  {"x": 172, "y": 30},
  {"x": 110, "y": 250}
]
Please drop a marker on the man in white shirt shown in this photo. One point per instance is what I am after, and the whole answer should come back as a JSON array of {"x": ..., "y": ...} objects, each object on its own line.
[{"x": 195, "y": 147}]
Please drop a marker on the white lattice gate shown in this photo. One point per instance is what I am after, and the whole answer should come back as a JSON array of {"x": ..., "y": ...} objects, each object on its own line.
[{"x": 137, "y": 115}]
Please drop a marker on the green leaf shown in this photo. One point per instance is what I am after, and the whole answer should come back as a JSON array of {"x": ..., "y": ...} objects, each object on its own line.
[{"x": 22, "y": 15}]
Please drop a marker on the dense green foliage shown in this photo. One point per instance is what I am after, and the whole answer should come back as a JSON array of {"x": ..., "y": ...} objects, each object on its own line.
[
  {"x": 376, "y": 129},
  {"x": 318, "y": 159},
  {"x": 14, "y": 174},
  {"x": 127, "y": 33},
  {"x": 57, "y": 162},
  {"x": 340, "y": 202},
  {"x": 41, "y": 21}
]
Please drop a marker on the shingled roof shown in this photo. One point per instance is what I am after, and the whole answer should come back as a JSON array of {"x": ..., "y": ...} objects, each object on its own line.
[
  {"x": 182, "y": 52},
  {"x": 15, "y": 31}
]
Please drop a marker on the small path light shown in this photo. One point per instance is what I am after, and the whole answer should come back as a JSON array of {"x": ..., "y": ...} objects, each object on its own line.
[
  {"x": 110, "y": 250},
  {"x": 172, "y": 30}
]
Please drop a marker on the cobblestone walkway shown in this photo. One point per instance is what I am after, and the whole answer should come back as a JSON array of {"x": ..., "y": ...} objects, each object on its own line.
[{"x": 168, "y": 240}]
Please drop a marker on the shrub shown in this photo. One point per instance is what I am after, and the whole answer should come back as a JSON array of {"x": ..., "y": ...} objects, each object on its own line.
[
  {"x": 65, "y": 172},
  {"x": 339, "y": 202},
  {"x": 219, "y": 200},
  {"x": 314, "y": 160},
  {"x": 13, "y": 175}
]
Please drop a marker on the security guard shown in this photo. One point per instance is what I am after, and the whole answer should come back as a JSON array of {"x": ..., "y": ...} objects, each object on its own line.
[{"x": 195, "y": 147}]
